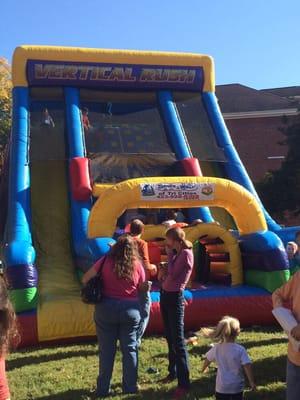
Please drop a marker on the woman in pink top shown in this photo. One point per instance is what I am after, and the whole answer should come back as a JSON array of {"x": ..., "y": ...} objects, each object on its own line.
[
  {"x": 174, "y": 280},
  {"x": 117, "y": 317}
]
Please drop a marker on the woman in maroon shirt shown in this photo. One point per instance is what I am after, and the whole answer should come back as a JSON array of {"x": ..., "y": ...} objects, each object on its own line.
[
  {"x": 117, "y": 316},
  {"x": 174, "y": 280}
]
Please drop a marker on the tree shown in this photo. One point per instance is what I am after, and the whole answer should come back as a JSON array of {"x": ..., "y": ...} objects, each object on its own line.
[
  {"x": 5, "y": 106},
  {"x": 5, "y": 102},
  {"x": 280, "y": 190}
]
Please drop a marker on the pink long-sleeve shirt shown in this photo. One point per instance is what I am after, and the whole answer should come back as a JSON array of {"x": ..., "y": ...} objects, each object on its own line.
[
  {"x": 119, "y": 288},
  {"x": 179, "y": 270}
]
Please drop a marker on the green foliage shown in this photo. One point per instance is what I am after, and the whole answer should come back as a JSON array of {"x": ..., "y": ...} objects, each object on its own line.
[
  {"x": 70, "y": 372},
  {"x": 5, "y": 103},
  {"x": 280, "y": 190},
  {"x": 5, "y": 119}
]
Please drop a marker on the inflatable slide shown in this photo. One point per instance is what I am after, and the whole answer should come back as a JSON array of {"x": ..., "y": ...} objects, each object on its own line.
[{"x": 96, "y": 133}]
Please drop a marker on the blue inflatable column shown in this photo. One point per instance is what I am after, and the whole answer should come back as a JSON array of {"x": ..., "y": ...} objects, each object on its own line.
[
  {"x": 19, "y": 252},
  {"x": 234, "y": 167},
  {"x": 179, "y": 143},
  {"x": 86, "y": 250}
]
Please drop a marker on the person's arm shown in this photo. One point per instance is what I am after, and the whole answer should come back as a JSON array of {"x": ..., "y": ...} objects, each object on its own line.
[
  {"x": 170, "y": 253},
  {"x": 210, "y": 357},
  {"x": 141, "y": 272},
  {"x": 184, "y": 261},
  {"x": 205, "y": 365},
  {"x": 91, "y": 273},
  {"x": 284, "y": 293},
  {"x": 249, "y": 373},
  {"x": 145, "y": 254},
  {"x": 52, "y": 122}
]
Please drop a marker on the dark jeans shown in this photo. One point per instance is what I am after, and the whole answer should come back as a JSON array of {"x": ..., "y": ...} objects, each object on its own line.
[
  {"x": 117, "y": 320},
  {"x": 237, "y": 396},
  {"x": 293, "y": 381},
  {"x": 145, "y": 309},
  {"x": 172, "y": 311}
]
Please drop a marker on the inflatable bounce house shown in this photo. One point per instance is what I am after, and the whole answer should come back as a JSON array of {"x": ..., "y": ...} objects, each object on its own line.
[{"x": 97, "y": 132}]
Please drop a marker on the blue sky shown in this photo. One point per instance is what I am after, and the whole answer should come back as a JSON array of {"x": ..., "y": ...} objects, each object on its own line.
[{"x": 253, "y": 42}]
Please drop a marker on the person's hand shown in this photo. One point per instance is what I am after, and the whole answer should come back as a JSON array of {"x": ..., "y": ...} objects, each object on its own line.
[
  {"x": 153, "y": 271},
  {"x": 162, "y": 272},
  {"x": 163, "y": 266},
  {"x": 145, "y": 286},
  {"x": 168, "y": 249},
  {"x": 295, "y": 332}
]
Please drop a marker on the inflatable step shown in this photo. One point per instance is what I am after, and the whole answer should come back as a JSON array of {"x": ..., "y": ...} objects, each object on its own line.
[
  {"x": 222, "y": 257},
  {"x": 220, "y": 266},
  {"x": 210, "y": 241},
  {"x": 216, "y": 248}
]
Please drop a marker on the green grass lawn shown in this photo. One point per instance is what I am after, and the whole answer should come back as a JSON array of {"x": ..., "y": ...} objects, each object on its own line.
[{"x": 69, "y": 372}]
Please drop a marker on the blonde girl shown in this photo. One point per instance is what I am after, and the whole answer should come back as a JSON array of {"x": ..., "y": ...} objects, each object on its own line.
[
  {"x": 231, "y": 358},
  {"x": 174, "y": 280}
]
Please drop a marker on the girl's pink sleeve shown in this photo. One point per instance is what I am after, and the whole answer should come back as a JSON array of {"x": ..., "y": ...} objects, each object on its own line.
[{"x": 185, "y": 262}]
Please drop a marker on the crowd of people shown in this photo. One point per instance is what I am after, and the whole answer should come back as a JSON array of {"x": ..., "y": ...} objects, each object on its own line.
[{"x": 123, "y": 315}]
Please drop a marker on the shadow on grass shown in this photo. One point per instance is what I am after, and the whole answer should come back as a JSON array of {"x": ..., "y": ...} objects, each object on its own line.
[
  {"x": 31, "y": 360},
  {"x": 270, "y": 370},
  {"x": 265, "y": 342}
]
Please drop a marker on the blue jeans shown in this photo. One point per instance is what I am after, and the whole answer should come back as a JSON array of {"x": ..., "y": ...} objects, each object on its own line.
[
  {"x": 172, "y": 311},
  {"x": 293, "y": 381},
  {"x": 145, "y": 307},
  {"x": 117, "y": 320}
]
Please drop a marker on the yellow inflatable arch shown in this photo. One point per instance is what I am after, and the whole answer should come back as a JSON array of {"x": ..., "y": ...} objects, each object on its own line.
[
  {"x": 211, "y": 231},
  {"x": 175, "y": 192}
]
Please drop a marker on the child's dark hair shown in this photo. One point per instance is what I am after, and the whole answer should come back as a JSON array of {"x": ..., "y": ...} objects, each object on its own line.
[
  {"x": 9, "y": 336},
  {"x": 171, "y": 214},
  {"x": 136, "y": 227}
]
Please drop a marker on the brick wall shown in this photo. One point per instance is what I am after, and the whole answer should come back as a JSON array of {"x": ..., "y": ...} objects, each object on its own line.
[{"x": 256, "y": 139}]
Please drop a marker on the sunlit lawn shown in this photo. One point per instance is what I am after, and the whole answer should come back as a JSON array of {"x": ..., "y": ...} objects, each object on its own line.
[{"x": 69, "y": 372}]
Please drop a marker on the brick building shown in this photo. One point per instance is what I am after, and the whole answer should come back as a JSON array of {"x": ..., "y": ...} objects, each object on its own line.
[{"x": 254, "y": 118}]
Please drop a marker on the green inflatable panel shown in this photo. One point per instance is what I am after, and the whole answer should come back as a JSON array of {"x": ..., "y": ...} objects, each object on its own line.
[
  {"x": 267, "y": 280},
  {"x": 24, "y": 299}
]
